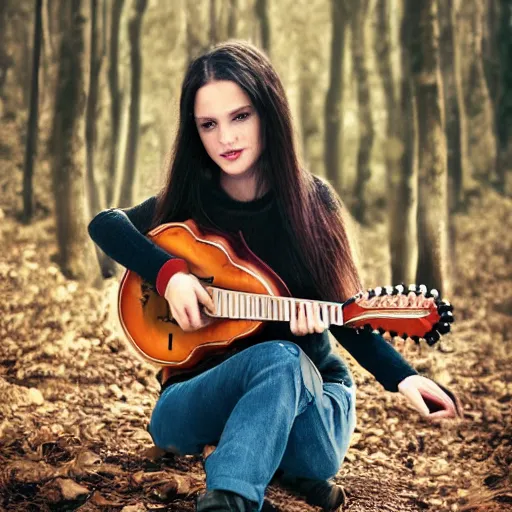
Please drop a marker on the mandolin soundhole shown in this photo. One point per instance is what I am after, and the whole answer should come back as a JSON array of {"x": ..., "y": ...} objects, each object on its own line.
[{"x": 146, "y": 290}]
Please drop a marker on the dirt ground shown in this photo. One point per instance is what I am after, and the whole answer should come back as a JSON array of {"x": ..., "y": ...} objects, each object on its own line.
[{"x": 75, "y": 401}]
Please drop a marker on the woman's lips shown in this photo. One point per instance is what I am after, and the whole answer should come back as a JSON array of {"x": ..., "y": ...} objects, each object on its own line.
[{"x": 233, "y": 155}]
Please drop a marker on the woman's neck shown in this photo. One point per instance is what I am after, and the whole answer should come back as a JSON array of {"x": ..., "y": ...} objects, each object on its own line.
[{"x": 244, "y": 188}]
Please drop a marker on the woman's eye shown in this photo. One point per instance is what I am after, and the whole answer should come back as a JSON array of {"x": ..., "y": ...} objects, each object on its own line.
[{"x": 239, "y": 117}]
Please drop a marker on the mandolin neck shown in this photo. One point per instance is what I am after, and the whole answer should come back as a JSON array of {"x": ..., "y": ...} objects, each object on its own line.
[{"x": 252, "y": 306}]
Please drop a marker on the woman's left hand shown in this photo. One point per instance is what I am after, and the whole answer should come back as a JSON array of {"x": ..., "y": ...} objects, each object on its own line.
[
  {"x": 428, "y": 398},
  {"x": 308, "y": 319}
]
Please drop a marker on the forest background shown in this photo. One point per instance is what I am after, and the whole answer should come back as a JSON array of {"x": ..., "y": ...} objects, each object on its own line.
[{"x": 405, "y": 106}]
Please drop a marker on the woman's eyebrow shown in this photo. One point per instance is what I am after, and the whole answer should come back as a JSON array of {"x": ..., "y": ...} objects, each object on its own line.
[{"x": 230, "y": 113}]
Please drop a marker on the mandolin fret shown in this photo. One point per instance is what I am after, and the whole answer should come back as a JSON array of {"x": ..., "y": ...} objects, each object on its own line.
[
  {"x": 249, "y": 306},
  {"x": 241, "y": 302}
]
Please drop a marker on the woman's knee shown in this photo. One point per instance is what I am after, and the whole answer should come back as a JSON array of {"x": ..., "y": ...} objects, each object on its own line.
[
  {"x": 272, "y": 351},
  {"x": 169, "y": 435},
  {"x": 169, "y": 439},
  {"x": 282, "y": 354}
]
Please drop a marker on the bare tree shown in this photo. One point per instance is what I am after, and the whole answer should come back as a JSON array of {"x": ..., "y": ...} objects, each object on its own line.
[
  {"x": 482, "y": 140},
  {"x": 456, "y": 123},
  {"x": 394, "y": 147},
  {"x": 214, "y": 32},
  {"x": 403, "y": 170},
  {"x": 115, "y": 99},
  {"x": 95, "y": 62},
  {"x": 334, "y": 99},
  {"x": 232, "y": 18},
  {"x": 490, "y": 49},
  {"x": 433, "y": 205},
  {"x": 197, "y": 37},
  {"x": 261, "y": 9},
  {"x": 6, "y": 60},
  {"x": 128, "y": 178},
  {"x": 504, "y": 116},
  {"x": 311, "y": 122},
  {"x": 366, "y": 131},
  {"x": 96, "y": 193},
  {"x": 76, "y": 251},
  {"x": 31, "y": 146}
]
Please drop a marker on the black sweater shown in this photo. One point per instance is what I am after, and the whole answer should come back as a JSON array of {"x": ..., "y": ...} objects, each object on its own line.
[{"x": 120, "y": 233}]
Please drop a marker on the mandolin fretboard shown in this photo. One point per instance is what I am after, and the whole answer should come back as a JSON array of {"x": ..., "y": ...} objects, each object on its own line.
[{"x": 250, "y": 306}]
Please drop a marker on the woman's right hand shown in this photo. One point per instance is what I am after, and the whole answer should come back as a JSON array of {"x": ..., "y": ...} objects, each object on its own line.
[{"x": 184, "y": 293}]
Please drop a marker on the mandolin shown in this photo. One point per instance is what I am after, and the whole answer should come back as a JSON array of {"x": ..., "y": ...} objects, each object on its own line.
[{"x": 247, "y": 293}]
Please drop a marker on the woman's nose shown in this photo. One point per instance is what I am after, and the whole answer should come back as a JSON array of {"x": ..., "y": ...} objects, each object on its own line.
[{"x": 226, "y": 136}]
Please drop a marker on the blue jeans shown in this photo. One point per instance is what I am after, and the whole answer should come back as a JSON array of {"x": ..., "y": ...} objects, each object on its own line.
[{"x": 265, "y": 408}]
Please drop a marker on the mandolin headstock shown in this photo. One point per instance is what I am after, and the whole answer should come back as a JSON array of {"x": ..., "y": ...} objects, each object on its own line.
[{"x": 411, "y": 311}]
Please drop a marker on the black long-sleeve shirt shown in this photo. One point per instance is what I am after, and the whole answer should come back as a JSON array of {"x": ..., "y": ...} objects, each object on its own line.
[{"x": 120, "y": 233}]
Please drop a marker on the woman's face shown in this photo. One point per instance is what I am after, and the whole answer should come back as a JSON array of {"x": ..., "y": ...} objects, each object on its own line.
[{"x": 229, "y": 127}]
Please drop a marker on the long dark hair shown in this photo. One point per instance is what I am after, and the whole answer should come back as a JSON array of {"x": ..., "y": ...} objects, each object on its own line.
[{"x": 310, "y": 209}]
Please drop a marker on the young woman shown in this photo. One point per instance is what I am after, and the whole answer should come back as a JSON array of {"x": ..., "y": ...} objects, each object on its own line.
[{"x": 285, "y": 402}]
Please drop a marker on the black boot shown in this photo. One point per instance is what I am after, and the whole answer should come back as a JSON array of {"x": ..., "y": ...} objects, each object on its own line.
[
  {"x": 319, "y": 493},
  {"x": 224, "y": 501}
]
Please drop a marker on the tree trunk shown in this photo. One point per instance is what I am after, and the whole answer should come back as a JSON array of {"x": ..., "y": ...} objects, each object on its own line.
[
  {"x": 197, "y": 37},
  {"x": 115, "y": 100},
  {"x": 490, "y": 49},
  {"x": 456, "y": 123},
  {"x": 95, "y": 193},
  {"x": 261, "y": 9},
  {"x": 504, "y": 117},
  {"x": 130, "y": 162},
  {"x": 310, "y": 120},
  {"x": 394, "y": 147},
  {"x": 31, "y": 147},
  {"x": 214, "y": 36},
  {"x": 366, "y": 131},
  {"x": 6, "y": 60},
  {"x": 232, "y": 18},
  {"x": 482, "y": 141},
  {"x": 76, "y": 250},
  {"x": 433, "y": 206},
  {"x": 334, "y": 100},
  {"x": 403, "y": 172},
  {"x": 95, "y": 62}
]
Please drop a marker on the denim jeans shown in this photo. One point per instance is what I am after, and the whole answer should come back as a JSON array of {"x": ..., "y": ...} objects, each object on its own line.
[{"x": 265, "y": 408}]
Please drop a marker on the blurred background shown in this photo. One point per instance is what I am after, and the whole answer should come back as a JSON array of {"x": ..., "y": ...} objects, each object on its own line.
[{"x": 405, "y": 106}]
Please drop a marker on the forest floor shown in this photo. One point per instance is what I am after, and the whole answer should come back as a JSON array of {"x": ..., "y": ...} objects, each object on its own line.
[{"x": 75, "y": 401}]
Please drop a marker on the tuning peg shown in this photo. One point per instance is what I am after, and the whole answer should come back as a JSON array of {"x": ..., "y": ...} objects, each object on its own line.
[
  {"x": 447, "y": 317},
  {"x": 399, "y": 289},
  {"x": 368, "y": 328},
  {"x": 422, "y": 289},
  {"x": 371, "y": 293},
  {"x": 432, "y": 337},
  {"x": 416, "y": 339},
  {"x": 393, "y": 333},
  {"x": 434, "y": 293},
  {"x": 378, "y": 291},
  {"x": 444, "y": 305},
  {"x": 443, "y": 327},
  {"x": 412, "y": 288},
  {"x": 404, "y": 336},
  {"x": 389, "y": 290},
  {"x": 381, "y": 330}
]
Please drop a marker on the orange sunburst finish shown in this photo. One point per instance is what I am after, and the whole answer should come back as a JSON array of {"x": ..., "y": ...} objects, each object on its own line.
[{"x": 144, "y": 314}]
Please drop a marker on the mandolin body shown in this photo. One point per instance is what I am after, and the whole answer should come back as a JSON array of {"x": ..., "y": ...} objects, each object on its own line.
[{"x": 217, "y": 260}]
